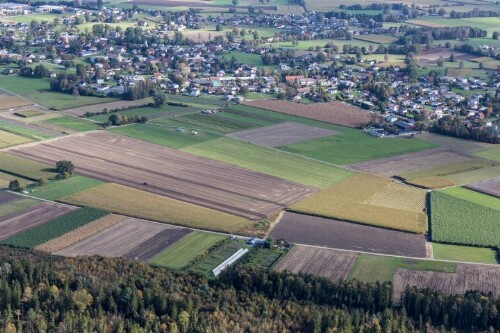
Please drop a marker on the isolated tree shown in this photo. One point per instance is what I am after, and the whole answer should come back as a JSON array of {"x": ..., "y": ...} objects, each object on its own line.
[
  {"x": 244, "y": 90},
  {"x": 64, "y": 166},
  {"x": 440, "y": 61},
  {"x": 495, "y": 35},
  {"x": 41, "y": 71},
  {"x": 15, "y": 186},
  {"x": 452, "y": 57}
]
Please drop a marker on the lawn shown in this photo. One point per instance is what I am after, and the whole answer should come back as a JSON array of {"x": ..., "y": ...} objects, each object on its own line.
[
  {"x": 490, "y": 154},
  {"x": 56, "y": 189},
  {"x": 185, "y": 250},
  {"x": 19, "y": 166},
  {"x": 352, "y": 146},
  {"x": 74, "y": 124},
  {"x": 464, "y": 253},
  {"x": 372, "y": 268},
  {"x": 38, "y": 91},
  {"x": 128, "y": 201},
  {"x": 166, "y": 134},
  {"x": 474, "y": 197},
  {"x": 270, "y": 161}
]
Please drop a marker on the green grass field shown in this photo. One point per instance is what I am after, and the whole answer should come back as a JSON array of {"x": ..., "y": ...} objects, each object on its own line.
[
  {"x": 475, "y": 175},
  {"x": 74, "y": 124},
  {"x": 270, "y": 161},
  {"x": 29, "y": 113},
  {"x": 458, "y": 221},
  {"x": 149, "y": 112},
  {"x": 214, "y": 122},
  {"x": 37, "y": 91},
  {"x": 216, "y": 256},
  {"x": 474, "y": 197},
  {"x": 371, "y": 268},
  {"x": 6, "y": 178},
  {"x": 492, "y": 154},
  {"x": 8, "y": 139},
  {"x": 19, "y": 166},
  {"x": 22, "y": 131},
  {"x": 17, "y": 205},
  {"x": 352, "y": 146},
  {"x": 56, "y": 189},
  {"x": 185, "y": 250},
  {"x": 464, "y": 253},
  {"x": 55, "y": 228},
  {"x": 165, "y": 135}
]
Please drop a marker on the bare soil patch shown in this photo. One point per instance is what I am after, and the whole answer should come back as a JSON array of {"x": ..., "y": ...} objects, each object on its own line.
[
  {"x": 80, "y": 111},
  {"x": 312, "y": 230},
  {"x": 328, "y": 263},
  {"x": 467, "y": 277},
  {"x": 333, "y": 112},
  {"x": 282, "y": 134},
  {"x": 31, "y": 217},
  {"x": 117, "y": 240},
  {"x": 7, "y": 197},
  {"x": 406, "y": 163},
  {"x": 150, "y": 248},
  {"x": 490, "y": 187},
  {"x": 428, "y": 57},
  {"x": 172, "y": 173}
]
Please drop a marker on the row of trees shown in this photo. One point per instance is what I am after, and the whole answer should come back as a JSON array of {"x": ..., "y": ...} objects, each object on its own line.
[{"x": 455, "y": 126}]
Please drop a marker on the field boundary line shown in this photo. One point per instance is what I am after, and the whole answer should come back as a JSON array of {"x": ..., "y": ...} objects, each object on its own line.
[{"x": 397, "y": 256}]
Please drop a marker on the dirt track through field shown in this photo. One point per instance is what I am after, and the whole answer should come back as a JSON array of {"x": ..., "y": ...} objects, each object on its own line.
[
  {"x": 282, "y": 134},
  {"x": 490, "y": 187},
  {"x": 153, "y": 246},
  {"x": 318, "y": 231},
  {"x": 172, "y": 173},
  {"x": 328, "y": 263},
  {"x": 117, "y": 240},
  {"x": 409, "y": 162},
  {"x": 31, "y": 217}
]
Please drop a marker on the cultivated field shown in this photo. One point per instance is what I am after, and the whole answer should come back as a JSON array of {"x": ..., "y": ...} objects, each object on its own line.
[
  {"x": 465, "y": 253},
  {"x": 333, "y": 112},
  {"x": 432, "y": 182},
  {"x": 460, "y": 221},
  {"x": 410, "y": 163},
  {"x": 6, "y": 197},
  {"x": 18, "y": 205},
  {"x": 11, "y": 102},
  {"x": 118, "y": 240},
  {"x": 371, "y": 200},
  {"x": 80, "y": 234},
  {"x": 378, "y": 39},
  {"x": 26, "y": 168},
  {"x": 80, "y": 111},
  {"x": 282, "y": 134},
  {"x": 29, "y": 113},
  {"x": 447, "y": 169},
  {"x": 467, "y": 277},
  {"x": 158, "y": 243},
  {"x": 312, "y": 230},
  {"x": 29, "y": 218},
  {"x": 169, "y": 172},
  {"x": 328, "y": 263},
  {"x": 125, "y": 200},
  {"x": 8, "y": 139},
  {"x": 490, "y": 187}
]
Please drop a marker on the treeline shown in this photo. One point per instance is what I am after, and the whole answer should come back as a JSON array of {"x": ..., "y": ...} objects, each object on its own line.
[
  {"x": 454, "y": 126},
  {"x": 374, "y": 6},
  {"x": 474, "y": 13},
  {"x": 41, "y": 293},
  {"x": 427, "y": 35}
]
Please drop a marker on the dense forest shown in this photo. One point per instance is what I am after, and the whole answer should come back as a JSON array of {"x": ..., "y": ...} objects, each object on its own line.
[{"x": 40, "y": 293}]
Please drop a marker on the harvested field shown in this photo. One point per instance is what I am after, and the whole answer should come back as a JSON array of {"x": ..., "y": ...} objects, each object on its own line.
[
  {"x": 11, "y": 101},
  {"x": 80, "y": 234},
  {"x": 29, "y": 113},
  {"x": 467, "y": 277},
  {"x": 331, "y": 264},
  {"x": 311, "y": 230},
  {"x": 490, "y": 187},
  {"x": 407, "y": 163},
  {"x": 125, "y": 200},
  {"x": 282, "y": 134},
  {"x": 447, "y": 169},
  {"x": 333, "y": 112},
  {"x": 117, "y": 240},
  {"x": 169, "y": 172},
  {"x": 371, "y": 200},
  {"x": 432, "y": 182},
  {"x": 7, "y": 197},
  {"x": 152, "y": 247},
  {"x": 80, "y": 111},
  {"x": 31, "y": 217}
]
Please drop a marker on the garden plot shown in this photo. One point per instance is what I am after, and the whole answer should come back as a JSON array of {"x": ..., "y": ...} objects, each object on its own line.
[
  {"x": 490, "y": 187},
  {"x": 467, "y": 277},
  {"x": 409, "y": 162},
  {"x": 318, "y": 231},
  {"x": 328, "y": 263},
  {"x": 31, "y": 217},
  {"x": 119, "y": 239},
  {"x": 282, "y": 134},
  {"x": 169, "y": 172}
]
